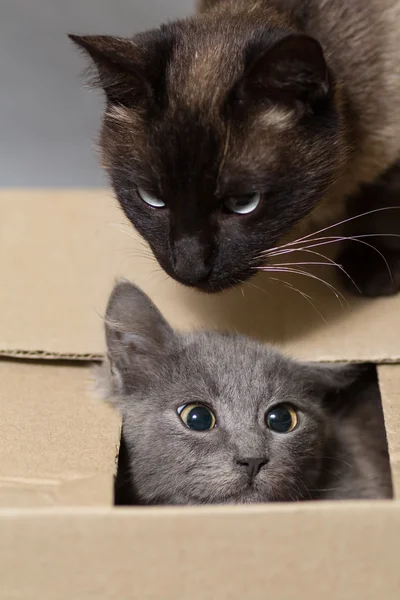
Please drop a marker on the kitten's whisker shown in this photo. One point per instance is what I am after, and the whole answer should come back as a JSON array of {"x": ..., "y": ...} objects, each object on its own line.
[
  {"x": 332, "y": 458},
  {"x": 306, "y": 489},
  {"x": 299, "y": 495}
]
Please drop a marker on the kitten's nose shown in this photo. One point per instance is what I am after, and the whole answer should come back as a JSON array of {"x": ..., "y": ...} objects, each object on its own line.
[
  {"x": 253, "y": 464},
  {"x": 192, "y": 260}
]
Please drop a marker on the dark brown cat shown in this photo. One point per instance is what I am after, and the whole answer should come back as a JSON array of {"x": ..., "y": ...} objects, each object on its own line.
[{"x": 255, "y": 118}]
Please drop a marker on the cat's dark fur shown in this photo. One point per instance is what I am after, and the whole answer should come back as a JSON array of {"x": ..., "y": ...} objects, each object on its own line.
[
  {"x": 337, "y": 450},
  {"x": 241, "y": 98}
]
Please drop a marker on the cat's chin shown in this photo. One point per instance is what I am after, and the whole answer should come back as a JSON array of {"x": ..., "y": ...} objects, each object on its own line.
[
  {"x": 243, "y": 493},
  {"x": 216, "y": 286}
]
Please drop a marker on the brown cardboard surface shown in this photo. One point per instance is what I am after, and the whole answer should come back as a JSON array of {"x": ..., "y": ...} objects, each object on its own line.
[
  {"x": 60, "y": 253},
  {"x": 67, "y": 248},
  {"x": 58, "y": 443},
  {"x": 389, "y": 383},
  {"x": 339, "y": 551}
]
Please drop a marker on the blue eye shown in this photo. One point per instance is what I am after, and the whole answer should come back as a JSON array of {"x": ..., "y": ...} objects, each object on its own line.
[
  {"x": 243, "y": 205},
  {"x": 197, "y": 417},
  {"x": 150, "y": 200},
  {"x": 281, "y": 419}
]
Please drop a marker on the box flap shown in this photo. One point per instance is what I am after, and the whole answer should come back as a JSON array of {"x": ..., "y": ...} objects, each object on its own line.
[
  {"x": 310, "y": 551},
  {"x": 67, "y": 248},
  {"x": 58, "y": 442}
]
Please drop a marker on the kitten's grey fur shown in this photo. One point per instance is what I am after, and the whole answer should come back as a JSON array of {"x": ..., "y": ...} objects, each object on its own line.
[{"x": 338, "y": 449}]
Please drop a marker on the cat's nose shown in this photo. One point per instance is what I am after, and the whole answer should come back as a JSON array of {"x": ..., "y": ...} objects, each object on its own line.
[
  {"x": 252, "y": 464},
  {"x": 192, "y": 260}
]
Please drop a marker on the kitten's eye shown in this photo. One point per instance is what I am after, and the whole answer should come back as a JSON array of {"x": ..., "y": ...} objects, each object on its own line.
[
  {"x": 243, "y": 205},
  {"x": 197, "y": 417},
  {"x": 150, "y": 200},
  {"x": 281, "y": 419}
]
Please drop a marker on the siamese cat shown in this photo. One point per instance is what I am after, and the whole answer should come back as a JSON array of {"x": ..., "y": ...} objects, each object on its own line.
[{"x": 253, "y": 122}]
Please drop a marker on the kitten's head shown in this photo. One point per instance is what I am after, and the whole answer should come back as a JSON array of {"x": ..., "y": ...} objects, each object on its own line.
[
  {"x": 221, "y": 132},
  {"x": 213, "y": 418}
]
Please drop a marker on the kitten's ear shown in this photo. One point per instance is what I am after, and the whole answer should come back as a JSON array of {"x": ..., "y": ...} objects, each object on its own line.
[
  {"x": 137, "y": 334},
  {"x": 330, "y": 378},
  {"x": 131, "y": 71},
  {"x": 294, "y": 69}
]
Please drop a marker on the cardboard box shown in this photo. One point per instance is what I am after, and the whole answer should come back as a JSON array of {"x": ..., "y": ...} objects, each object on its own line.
[{"x": 60, "y": 537}]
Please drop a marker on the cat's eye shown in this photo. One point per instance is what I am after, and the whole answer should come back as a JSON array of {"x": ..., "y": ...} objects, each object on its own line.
[
  {"x": 281, "y": 419},
  {"x": 197, "y": 417},
  {"x": 150, "y": 200},
  {"x": 243, "y": 205}
]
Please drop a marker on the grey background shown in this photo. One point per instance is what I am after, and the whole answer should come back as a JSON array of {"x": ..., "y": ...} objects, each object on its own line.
[{"x": 48, "y": 122}]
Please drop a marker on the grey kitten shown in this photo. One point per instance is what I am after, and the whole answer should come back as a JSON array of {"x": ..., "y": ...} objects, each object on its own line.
[{"x": 217, "y": 418}]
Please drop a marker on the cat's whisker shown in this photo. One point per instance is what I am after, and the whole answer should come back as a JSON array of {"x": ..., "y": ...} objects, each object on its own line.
[
  {"x": 143, "y": 252},
  {"x": 128, "y": 232},
  {"x": 332, "y": 458},
  {"x": 240, "y": 284},
  {"x": 337, "y": 224},
  {"x": 327, "y": 240},
  {"x": 137, "y": 255},
  {"x": 330, "y": 263},
  {"x": 252, "y": 285},
  {"x": 322, "y": 241},
  {"x": 296, "y": 487},
  {"x": 290, "y": 264},
  {"x": 277, "y": 269},
  {"x": 307, "y": 490},
  {"x": 335, "y": 264},
  {"x": 319, "y": 490},
  {"x": 157, "y": 275},
  {"x": 303, "y": 294},
  {"x": 338, "y": 294},
  {"x": 354, "y": 239}
]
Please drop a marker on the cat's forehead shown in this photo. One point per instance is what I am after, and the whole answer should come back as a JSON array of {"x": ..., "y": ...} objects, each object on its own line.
[
  {"x": 201, "y": 71},
  {"x": 184, "y": 148},
  {"x": 233, "y": 364},
  {"x": 206, "y": 59}
]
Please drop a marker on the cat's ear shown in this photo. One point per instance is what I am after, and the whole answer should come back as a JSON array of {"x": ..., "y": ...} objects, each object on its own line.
[
  {"x": 330, "y": 378},
  {"x": 293, "y": 70},
  {"x": 137, "y": 335},
  {"x": 131, "y": 71}
]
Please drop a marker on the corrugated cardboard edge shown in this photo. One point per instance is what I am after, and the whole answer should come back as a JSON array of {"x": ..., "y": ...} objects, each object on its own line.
[
  {"x": 34, "y": 492},
  {"x": 303, "y": 550},
  {"x": 98, "y": 357},
  {"x": 45, "y": 355}
]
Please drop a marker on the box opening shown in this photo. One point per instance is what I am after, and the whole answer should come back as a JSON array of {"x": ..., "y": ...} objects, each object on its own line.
[{"x": 363, "y": 424}]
